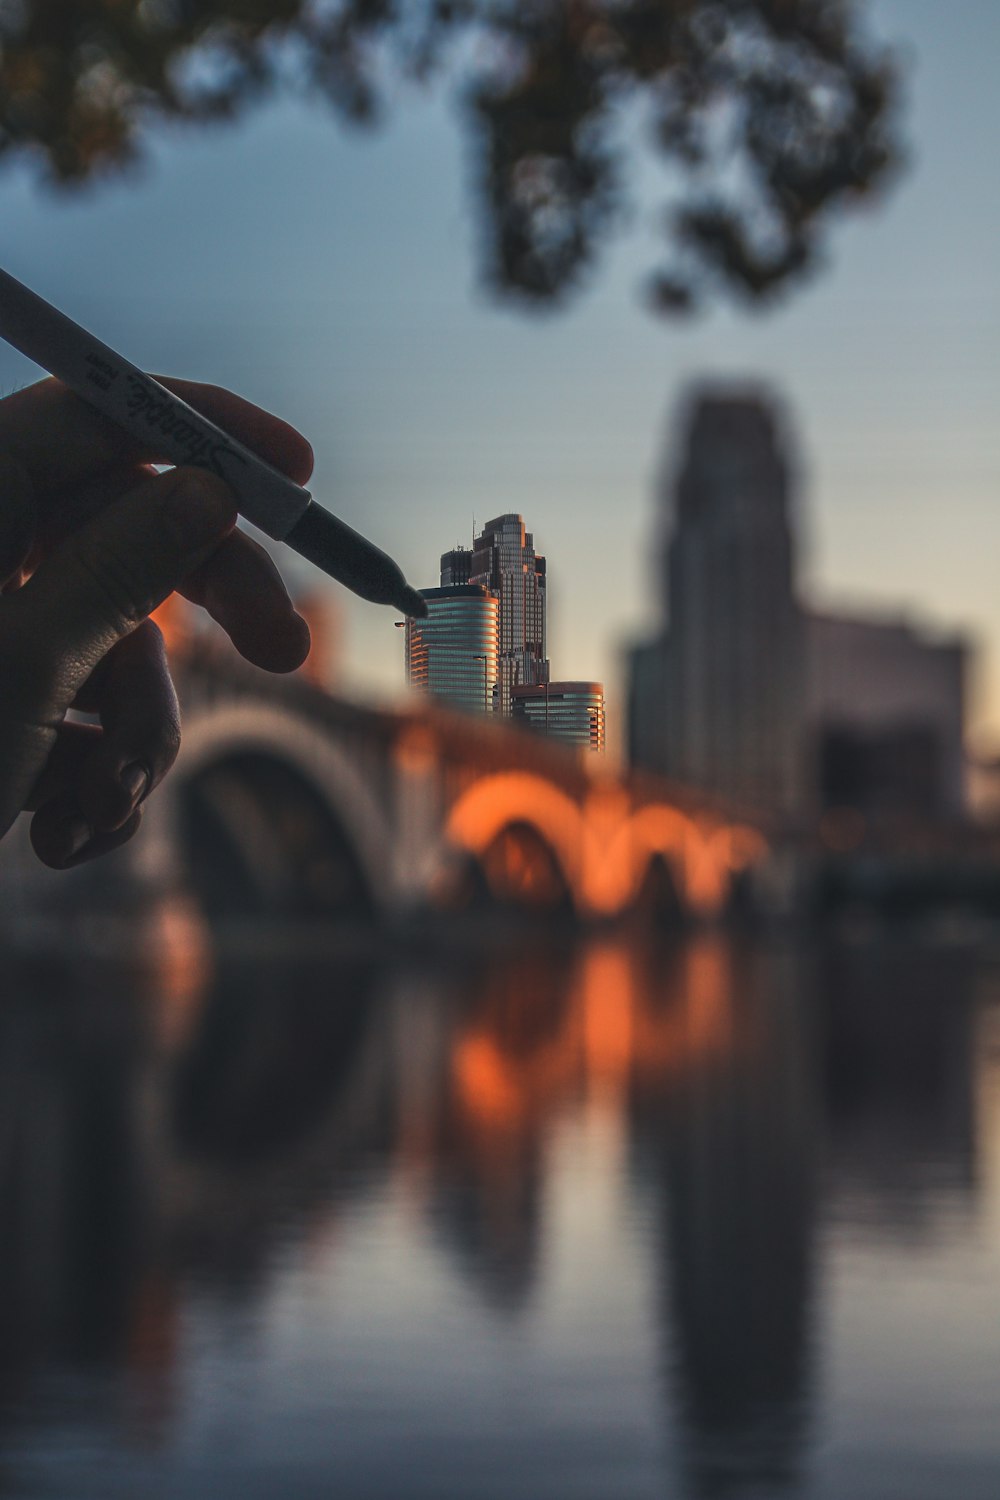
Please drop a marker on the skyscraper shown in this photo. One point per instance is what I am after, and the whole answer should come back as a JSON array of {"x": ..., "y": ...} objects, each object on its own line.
[
  {"x": 720, "y": 699},
  {"x": 763, "y": 702},
  {"x": 456, "y": 566},
  {"x": 453, "y": 652},
  {"x": 570, "y": 712},
  {"x": 503, "y": 560}
]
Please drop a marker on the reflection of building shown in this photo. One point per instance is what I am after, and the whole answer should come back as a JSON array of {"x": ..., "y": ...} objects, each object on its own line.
[
  {"x": 453, "y": 652},
  {"x": 729, "y": 1151},
  {"x": 572, "y": 712},
  {"x": 717, "y": 704},
  {"x": 514, "y": 1062},
  {"x": 900, "y": 1100},
  {"x": 503, "y": 560},
  {"x": 884, "y": 714}
]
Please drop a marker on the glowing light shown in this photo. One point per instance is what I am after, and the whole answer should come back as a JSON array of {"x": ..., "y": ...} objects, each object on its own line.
[
  {"x": 656, "y": 829},
  {"x": 602, "y": 850},
  {"x": 485, "y": 1082},
  {"x": 609, "y": 874},
  {"x": 510, "y": 797}
]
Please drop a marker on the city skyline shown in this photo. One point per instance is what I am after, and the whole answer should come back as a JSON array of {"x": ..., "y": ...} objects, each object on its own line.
[
  {"x": 488, "y": 617},
  {"x": 503, "y": 560},
  {"x": 351, "y": 309}
]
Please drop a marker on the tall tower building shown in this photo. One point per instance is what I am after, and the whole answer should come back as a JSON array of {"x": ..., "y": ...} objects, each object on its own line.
[
  {"x": 453, "y": 652},
  {"x": 747, "y": 694},
  {"x": 504, "y": 561},
  {"x": 732, "y": 659}
]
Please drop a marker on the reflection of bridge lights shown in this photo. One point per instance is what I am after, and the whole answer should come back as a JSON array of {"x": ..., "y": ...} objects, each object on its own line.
[
  {"x": 622, "y": 1024},
  {"x": 485, "y": 1083},
  {"x": 176, "y": 951},
  {"x": 608, "y": 994}
]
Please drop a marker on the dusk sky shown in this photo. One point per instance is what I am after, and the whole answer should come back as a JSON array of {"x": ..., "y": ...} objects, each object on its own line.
[{"x": 332, "y": 277}]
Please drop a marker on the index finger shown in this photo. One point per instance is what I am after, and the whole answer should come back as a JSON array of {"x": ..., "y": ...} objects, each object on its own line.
[{"x": 62, "y": 441}]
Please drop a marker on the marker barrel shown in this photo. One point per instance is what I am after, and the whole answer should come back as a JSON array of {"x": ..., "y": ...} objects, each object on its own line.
[{"x": 173, "y": 430}]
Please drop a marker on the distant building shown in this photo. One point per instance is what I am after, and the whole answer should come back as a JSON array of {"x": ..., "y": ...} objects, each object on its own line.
[
  {"x": 504, "y": 561},
  {"x": 884, "y": 716},
  {"x": 453, "y": 652},
  {"x": 323, "y": 615},
  {"x": 571, "y": 712},
  {"x": 983, "y": 789},
  {"x": 716, "y": 700},
  {"x": 646, "y": 704},
  {"x": 748, "y": 696}
]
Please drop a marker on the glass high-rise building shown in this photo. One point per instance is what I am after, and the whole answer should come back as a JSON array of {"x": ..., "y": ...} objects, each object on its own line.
[
  {"x": 571, "y": 712},
  {"x": 453, "y": 652},
  {"x": 504, "y": 561}
]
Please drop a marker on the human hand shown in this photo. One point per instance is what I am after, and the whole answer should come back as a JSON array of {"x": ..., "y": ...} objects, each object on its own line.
[{"x": 91, "y": 541}]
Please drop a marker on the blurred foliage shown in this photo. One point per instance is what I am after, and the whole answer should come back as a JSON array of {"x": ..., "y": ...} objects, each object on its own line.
[{"x": 769, "y": 114}]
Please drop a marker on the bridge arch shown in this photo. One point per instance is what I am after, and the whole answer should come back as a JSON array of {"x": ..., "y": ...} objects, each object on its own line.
[
  {"x": 267, "y": 753},
  {"x": 701, "y": 856},
  {"x": 508, "y": 801}
]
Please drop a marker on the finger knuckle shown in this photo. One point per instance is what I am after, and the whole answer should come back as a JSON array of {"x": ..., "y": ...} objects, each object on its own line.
[{"x": 113, "y": 577}]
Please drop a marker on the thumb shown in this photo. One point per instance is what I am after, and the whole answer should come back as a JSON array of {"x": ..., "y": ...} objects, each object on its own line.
[{"x": 113, "y": 572}]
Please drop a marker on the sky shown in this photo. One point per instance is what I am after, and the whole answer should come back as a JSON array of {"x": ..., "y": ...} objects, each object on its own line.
[{"x": 332, "y": 276}]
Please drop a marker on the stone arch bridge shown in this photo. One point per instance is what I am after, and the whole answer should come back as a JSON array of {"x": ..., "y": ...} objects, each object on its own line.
[{"x": 286, "y": 802}]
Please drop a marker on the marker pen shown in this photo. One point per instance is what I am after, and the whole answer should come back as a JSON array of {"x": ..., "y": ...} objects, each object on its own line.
[{"x": 166, "y": 425}]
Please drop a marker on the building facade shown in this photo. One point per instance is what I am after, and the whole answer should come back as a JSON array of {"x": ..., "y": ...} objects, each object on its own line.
[
  {"x": 453, "y": 653},
  {"x": 747, "y": 695},
  {"x": 503, "y": 560},
  {"x": 884, "y": 716},
  {"x": 456, "y": 567},
  {"x": 571, "y": 712},
  {"x": 725, "y": 676}
]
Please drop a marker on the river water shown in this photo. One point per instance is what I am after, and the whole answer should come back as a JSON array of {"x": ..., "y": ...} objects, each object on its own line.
[{"x": 714, "y": 1219}]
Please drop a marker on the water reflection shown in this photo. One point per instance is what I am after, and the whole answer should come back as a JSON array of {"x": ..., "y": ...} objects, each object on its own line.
[
  {"x": 595, "y": 1220},
  {"x": 729, "y": 1150}
]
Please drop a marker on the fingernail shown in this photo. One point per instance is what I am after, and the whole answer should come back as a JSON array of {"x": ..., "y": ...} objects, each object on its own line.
[
  {"x": 135, "y": 778},
  {"x": 200, "y": 508},
  {"x": 75, "y": 834}
]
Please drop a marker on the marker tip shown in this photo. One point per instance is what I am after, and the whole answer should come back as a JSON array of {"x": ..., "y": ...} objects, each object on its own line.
[{"x": 413, "y": 604}]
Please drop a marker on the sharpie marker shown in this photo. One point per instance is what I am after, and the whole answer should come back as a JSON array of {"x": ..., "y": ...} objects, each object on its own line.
[{"x": 166, "y": 425}]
